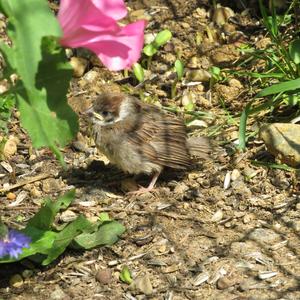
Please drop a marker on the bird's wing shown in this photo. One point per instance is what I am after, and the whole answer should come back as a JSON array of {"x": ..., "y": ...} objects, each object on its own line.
[{"x": 161, "y": 138}]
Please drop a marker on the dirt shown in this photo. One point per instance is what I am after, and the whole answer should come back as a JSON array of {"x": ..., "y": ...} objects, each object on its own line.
[{"x": 225, "y": 229}]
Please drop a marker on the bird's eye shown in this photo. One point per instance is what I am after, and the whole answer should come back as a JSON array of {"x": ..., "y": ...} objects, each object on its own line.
[{"x": 105, "y": 113}]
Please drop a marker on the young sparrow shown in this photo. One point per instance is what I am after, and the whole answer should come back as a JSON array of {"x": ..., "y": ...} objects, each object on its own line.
[{"x": 141, "y": 138}]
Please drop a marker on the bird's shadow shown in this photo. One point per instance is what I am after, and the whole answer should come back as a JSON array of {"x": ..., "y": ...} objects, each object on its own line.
[{"x": 109, "y": 178}]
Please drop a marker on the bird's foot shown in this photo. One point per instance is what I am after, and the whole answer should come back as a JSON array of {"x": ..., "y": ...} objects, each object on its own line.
[{"x": 141, "y": 190}]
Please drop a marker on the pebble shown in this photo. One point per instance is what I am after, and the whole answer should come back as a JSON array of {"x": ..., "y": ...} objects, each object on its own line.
[
  {"x": 143, "y": 284},
  {"x": 68, "y": 216},
  {"x": 235, "y": 174},
  {"x": 264, "y": 236},
  {"x": 91, "y": 76},
  {"x": 59, "y": 294},
  {"x": 181, "y": 188},
  {"x": 217, "y": 217},
  {"x": 104, "y": 276},
  {"x": 222, "y": 14},
  {"x": 35, "y": 192},
  {"x": 10, "y": 147},
  {"x": 198, "y": 75},
  {"x": 27, "y": 273},
  {"x": 224, "y": 283},
  {"x": 282, "y": 140},
  {"x": 11, "y": 196},
  {"x": 16, "y": 281},
  {"x": 250, "y": 284},
  {"x": 79, "y": 65},
  {"x": 296, "y": 225},
  {"x": 248, "y": 218},
  {"x": 51, "y": 185}
]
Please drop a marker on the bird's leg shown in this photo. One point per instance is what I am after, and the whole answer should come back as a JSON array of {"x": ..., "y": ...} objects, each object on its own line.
[{"x": 150, "y": 187}]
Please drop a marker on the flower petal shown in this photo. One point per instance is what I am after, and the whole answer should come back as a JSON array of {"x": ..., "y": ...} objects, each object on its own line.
[
  {"x": 115, "y": 9},
  {"x": 119, "y": 50},
  {"x": 92, "y": 24}
]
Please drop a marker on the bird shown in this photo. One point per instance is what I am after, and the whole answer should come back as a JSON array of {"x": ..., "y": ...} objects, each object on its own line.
[{"x": 141, "y": 138}]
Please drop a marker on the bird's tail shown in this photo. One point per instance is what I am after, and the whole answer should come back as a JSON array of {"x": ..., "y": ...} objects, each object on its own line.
[{"x": 200, "y": 146}]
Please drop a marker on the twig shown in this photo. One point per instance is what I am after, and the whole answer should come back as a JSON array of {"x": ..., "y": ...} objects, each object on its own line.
[{"x": 26, "y": 181}]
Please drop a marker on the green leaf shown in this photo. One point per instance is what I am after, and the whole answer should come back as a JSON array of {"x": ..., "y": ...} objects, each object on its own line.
[
  {"x": 138, "y": 72},
  {"x": 44, "y": 73},
  {"x": 44, "y": 218},
  {"x": 64, "y": 238},
  {"x": 3, "y": 230},
  {"x": 7, "y": 102},
  {"x": 294, "y": 50},
  {"x": 179, "y": 67},
  {"x": 290, "y": 85},
  {"x": 162, "y": 38},
  {"x": 41, "y": 242},
  {"x": 125, "y": 275},
  {"x": 149, "y": 50},
  {"x": 26, "y": 31},
  {"x": 104, "y": 217},
  {"x": 107, "y": 234},
  {"x": 243, "y": 125},
  {"x": 47, "y": 245}
]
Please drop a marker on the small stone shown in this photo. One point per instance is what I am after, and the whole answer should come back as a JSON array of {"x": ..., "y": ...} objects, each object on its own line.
[
  {"x": 104, "y": 276},
  {"x": 59, "y": 294},
  {"x": 171, "y": 269},
  {"x": 248, "y": 218},
  {"x": 79, "y": 65},
  {"x": 35, "y": 192},
  {"x": 27, "y": 273},
  {"x": 11, "y": 196},
  {"x": 51, "y": 185},
  {"x": 225, "y": 55},
  {"x": 249, "y": 172},
  {"x": 149, "y": 38},
  {"x": 68, "y": 216},
  {"x": 222, "y": 14},
  {"x": 251, "y": 284},
  {"x": 217, "y": 217},
  {"x": 264, "y": 236},
  {"x": 16, "y": 281},
  {"x": 185, "y": 25},
  {"x": 143, "y": 284},
  {"x": 235, "y": 174},
  {"x": 296, "y": 225},
  {"x": 10, "y": 147},
  {"x": 198, "y": 75},
  {"x": 224, "y": 283},
  {"x": 283, "y": 140},
  {"x": 181, "y": 188},
  {"x": 235, "y": 83},
  {"x": 91, "y": 76},
  {"x": 187, "y": 100}
]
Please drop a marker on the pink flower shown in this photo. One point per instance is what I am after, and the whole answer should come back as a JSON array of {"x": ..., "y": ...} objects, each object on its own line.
[{"x": 92, "y": 24}]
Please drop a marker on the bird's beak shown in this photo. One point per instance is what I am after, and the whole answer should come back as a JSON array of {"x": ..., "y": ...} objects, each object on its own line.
[
  {"x": 92, "y": 114},
  {"x": 97, "y": 116}
]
